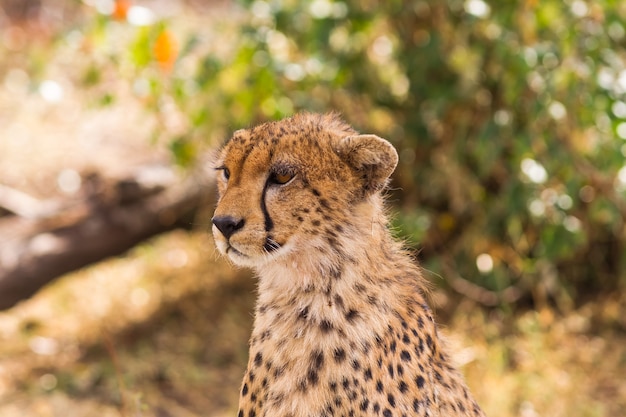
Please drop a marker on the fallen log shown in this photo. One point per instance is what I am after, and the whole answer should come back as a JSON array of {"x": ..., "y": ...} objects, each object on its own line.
[{"x": 108, "y": 220}]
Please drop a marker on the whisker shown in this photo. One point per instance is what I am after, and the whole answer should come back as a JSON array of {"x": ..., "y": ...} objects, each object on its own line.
[{"x": 270, "y": 245}]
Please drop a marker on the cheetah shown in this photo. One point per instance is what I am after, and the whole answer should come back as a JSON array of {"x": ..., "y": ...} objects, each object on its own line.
[{"x": 341, "y": 324}]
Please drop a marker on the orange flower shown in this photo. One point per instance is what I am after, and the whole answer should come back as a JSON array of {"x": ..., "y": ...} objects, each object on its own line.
[
  {"x": 165, "y": 49},
  {"x": 121, "y": 9}
]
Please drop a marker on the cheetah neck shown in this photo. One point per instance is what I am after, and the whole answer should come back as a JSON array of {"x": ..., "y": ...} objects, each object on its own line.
[{"x": 363, "y": 279}]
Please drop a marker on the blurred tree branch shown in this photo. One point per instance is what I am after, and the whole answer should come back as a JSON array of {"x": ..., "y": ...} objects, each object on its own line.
[
  {"x": 24, "y": 205},
  {"x": 475, "y": 292},
  {"x": 111, "y": 218}
]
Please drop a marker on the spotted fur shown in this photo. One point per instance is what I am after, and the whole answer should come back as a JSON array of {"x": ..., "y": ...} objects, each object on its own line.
[{"x": 341, "y": 327}]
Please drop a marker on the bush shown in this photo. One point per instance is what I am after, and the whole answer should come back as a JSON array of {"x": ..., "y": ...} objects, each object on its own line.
[{"x": 509, "y": 118}]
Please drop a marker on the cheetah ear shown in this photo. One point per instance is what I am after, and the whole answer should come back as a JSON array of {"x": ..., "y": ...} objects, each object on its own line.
[{"x": 373, "y": 157}]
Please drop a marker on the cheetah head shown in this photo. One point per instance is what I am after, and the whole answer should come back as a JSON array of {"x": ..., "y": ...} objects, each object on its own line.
[{"x": 288, "y": 187}]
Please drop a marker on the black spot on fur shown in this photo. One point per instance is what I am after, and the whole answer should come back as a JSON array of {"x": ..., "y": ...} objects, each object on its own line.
[
  {"x": 302, "y": 385},
  {"x": 333, "y": 243},
  {"x": 364, "y": 404},
  {"x": 335, "y": 273},
  {"x": 317, "y": 359},
  {"x": 351, "y": 315},
  {"x": 416, "y": 405},
  {"x": 326, "y": 326},
  {"x": 340, "y": 355},
  {"x": 419, "y": 349},
  {"x": 345, "y": 383},
  {"x": 304, "y": 313},
  {"x": 279, "y": 371},
  {"x": 429, "y": 341},
  {"x": 339, "y": 301},
  {"x": 312, "y": 377},
  {"x": 403, "y": 387}
]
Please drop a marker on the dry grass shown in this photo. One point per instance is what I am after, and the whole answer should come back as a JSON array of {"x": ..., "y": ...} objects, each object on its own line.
[
  {"x": 163, "y": 332},
  {"x": 160, "y": 332}
]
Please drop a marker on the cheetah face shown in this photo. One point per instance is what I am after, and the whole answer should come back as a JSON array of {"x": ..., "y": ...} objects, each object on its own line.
[{"x": 287, "y": 187}]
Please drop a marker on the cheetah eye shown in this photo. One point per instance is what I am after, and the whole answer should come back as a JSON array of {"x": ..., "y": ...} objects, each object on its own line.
[
  {"x": 225, "y": 172},
  {"x": 281, "y": 178}
]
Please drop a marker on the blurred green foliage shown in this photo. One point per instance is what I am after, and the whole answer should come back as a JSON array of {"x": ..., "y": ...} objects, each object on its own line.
[{"x": 509, "y": 118}]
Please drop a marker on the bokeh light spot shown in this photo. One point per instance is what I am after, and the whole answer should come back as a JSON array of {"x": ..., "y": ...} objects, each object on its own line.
[
  {"x": 484, "y": 263},
  {"x": 69, "y": 181},
  {"x": 140, "y": 16},
  {"x": 557, "y": 110},
  {"x": 477, "y": 8},
  {"x": 51, "y": 91},
  {"x": 534, "y": 171}
]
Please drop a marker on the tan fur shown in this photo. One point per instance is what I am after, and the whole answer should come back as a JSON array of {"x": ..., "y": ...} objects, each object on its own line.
[{"x": 341, "y": 327}]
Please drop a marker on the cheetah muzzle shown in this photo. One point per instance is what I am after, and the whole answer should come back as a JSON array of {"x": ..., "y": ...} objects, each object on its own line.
[{"x": 341, "y": 325}]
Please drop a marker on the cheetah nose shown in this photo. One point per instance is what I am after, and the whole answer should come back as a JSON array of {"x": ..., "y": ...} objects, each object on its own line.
[{"x": 227, "y": 225}]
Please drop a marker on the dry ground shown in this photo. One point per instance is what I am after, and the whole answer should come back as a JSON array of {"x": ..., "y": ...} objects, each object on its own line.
[{"x": 163, "y": 330}]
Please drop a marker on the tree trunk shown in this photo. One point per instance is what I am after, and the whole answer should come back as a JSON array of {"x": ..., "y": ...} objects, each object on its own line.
[{"x": 108, "y": 220}]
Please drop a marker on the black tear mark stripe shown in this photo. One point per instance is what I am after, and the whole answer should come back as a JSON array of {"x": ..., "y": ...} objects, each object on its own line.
[{"x": 269, "y": 223}]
